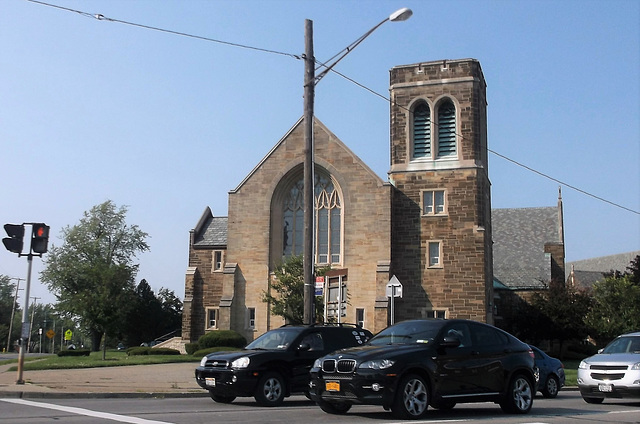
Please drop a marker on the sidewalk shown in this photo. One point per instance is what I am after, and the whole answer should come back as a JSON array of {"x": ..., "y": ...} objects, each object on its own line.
[{"x": 162, "y": 380}]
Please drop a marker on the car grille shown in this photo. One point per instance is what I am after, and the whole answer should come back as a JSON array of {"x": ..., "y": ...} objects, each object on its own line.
[
  {"x": 607, "y": 377},
  {"x": 216, "y": 363},
  {"x": 342, "y": 366},
  {"x": 609, "y": 367}
]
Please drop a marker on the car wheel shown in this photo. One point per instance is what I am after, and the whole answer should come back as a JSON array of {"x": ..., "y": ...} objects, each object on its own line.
[
  {"x": 593, "y": 400},
  {"x": 519, "y": 396},
  {"x": 412, "y": 398},
  {"x": 221, "y": 398},
  {"x": 334, "y": 408},
  {"x": 270, "y": 390},
  {"x": 551, "y": 387}
]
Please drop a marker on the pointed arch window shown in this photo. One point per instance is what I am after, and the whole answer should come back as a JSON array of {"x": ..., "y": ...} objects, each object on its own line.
[
  {"x": 446, "y": 129},
  {"x": 328, "y": 221},
  {"x": 421, "y": 131}
]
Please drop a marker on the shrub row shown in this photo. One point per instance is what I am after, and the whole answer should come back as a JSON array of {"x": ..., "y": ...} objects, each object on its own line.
[
  {"x": 144, "y": 350},
  {"x": 216, "y": 340}
]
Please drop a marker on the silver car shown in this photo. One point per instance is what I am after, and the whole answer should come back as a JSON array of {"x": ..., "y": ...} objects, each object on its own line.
[{"x": 614, "y": 372}]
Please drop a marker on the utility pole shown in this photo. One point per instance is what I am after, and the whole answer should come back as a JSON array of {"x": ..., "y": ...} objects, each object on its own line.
[
  {"x": 309, "y": 206},
  {"x": 33, "y": 312},
  {"x": 13, "y": 311}
]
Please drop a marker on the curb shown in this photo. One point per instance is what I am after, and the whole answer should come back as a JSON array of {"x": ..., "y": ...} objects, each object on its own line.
[{"x": 67, "y": 395}]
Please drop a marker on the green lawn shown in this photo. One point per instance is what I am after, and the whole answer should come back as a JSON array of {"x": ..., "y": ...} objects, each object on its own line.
[
  {"x": 571, "y": 372},
  {"x": 113, "y": 359}
]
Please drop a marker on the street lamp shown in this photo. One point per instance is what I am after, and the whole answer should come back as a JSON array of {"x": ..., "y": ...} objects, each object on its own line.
[{"x": 310, "y": 81}]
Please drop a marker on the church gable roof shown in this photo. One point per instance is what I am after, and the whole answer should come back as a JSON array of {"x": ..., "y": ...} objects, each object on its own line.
[
  {"x": 519, "y": 236},
  {"x": 211, "y": 231}
]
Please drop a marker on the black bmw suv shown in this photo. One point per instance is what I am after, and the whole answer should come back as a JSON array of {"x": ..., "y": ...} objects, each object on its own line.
[
  {"x": 276, "y": 364},
  {"x": 413, "y": 364}
]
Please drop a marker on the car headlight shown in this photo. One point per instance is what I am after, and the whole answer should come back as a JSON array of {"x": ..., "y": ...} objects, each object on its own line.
[
  {"x": 317, "y": 363},
  {"x": 240, "y": 362},
  {"x": 583, "y": 365},
  {"x": 377, "y": 364},
  {"x": 635, "y": 366},
  {"x": 203, "y": 361}
]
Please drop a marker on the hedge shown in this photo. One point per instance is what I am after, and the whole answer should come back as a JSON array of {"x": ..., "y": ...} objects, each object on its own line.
[
  {"x": 220, "y": 338},
  {"x": 144, "y": 350}
]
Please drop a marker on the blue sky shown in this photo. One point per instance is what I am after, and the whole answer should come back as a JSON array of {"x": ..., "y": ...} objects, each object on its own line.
[{"x": 92, "y": 110}]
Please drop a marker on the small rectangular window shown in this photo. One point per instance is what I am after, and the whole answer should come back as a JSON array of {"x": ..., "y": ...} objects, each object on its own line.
[
  {"x": 360, "y": 317},
  {"x": 435, "y": 254},
  {"x": 434, "y": 202},
  {"x": 212, "y": 318},
  {"x": 436, "y": 313},
  {"x": 251, "y": 318},
  {"x": 218, "y": 260}
]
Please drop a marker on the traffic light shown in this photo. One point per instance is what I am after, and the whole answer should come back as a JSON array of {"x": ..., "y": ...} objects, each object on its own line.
[
  {"x": 39, "y": 238},
  {"x": 15, "y": 241}
]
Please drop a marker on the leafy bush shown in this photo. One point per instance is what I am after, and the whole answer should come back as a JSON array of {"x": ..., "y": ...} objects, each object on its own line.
[
  {"x": 219, "y": 338},
  {"x": 202, "y": 352},
  {"x": 74, "y": 352},
  {"x": 144, "y": 350},
  {"x": 191, "y": 348}
]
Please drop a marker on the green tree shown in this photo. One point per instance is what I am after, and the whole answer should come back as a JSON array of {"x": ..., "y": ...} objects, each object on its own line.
[
  {"x": 92, "y": 274},
  {"x": 7, "y": 294},
  {"x": 152, "y": 316},
  {"x": 287, "y": 292},
  {"x": 563, "y": 307},
  {"x": 616, "y": 308}
]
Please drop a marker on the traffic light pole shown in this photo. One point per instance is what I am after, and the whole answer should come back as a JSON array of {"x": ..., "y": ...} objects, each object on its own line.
[{"x": 26, "y": 330}]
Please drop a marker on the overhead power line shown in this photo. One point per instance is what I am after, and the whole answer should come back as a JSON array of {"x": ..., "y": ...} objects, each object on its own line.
[{"x": 101, "y": 17}]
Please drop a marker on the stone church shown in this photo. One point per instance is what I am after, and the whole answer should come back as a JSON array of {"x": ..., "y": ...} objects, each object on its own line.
[{"x": 429, "y": 224}]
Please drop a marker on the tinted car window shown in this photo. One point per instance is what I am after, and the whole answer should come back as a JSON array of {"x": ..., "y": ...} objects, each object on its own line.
[
  {"x": 408, "y": 332},
  {"x": 487, "y": 336},
  {"x": 314, "y": 340},
  {"x": 460, "y": 331},
  {"x": 275, "y": 339}
]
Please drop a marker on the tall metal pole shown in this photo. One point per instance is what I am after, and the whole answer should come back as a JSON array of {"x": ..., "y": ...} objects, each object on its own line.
[
  {"x": 26, "y": 331},
  {"x": 309, "y": 204}
]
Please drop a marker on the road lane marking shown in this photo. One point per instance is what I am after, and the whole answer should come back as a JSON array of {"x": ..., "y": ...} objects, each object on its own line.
[{"x": 85, "y": 412}]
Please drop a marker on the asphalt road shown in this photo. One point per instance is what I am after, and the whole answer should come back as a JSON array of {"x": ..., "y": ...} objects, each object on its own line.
[{"x": 568, "y": 407}]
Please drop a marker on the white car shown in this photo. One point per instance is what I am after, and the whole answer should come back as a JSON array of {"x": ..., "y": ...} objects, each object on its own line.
[{"x": 614, "y": 372}]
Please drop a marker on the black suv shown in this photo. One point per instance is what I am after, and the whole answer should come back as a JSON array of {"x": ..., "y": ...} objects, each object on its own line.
[
  {"x": 417, "y": 363},
  {"x": 276, "y": 364}
]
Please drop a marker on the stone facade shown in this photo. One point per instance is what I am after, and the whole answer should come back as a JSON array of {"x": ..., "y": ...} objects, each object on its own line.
[
  {"x": 383, "y": 230},
  {"x": 460, "y": 286}
]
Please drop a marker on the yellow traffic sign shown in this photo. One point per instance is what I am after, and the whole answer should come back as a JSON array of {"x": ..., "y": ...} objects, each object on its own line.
[
  {"x": 50, "y": 334},
  {"x": 68, "y": 334}
]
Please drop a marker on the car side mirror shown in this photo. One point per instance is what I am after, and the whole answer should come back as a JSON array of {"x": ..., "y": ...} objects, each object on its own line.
[
  {"x": 450, "y": 342},
  {"x": 304, "y": 347}
]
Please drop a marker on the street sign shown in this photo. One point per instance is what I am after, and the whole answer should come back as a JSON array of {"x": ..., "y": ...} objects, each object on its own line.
[
  {"x": 319, "y": 286},
  {"x": 68, "y": 334},
  {"x": 50, "y": 334},
  {"x": 394, "y": 287}
]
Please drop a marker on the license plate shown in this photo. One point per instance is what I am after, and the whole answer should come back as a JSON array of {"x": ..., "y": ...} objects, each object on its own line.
[
  {"x": 605, "y": 387},
  {"x": 332, "y": 386},
  {"x": 210, "y": 382}
]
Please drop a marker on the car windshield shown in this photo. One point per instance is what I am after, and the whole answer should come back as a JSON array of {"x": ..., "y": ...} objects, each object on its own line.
[
  {"x": 278, "y": 339},
  {"x": 408, "y": 332},
  {"x": 627, "y": 344}
]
